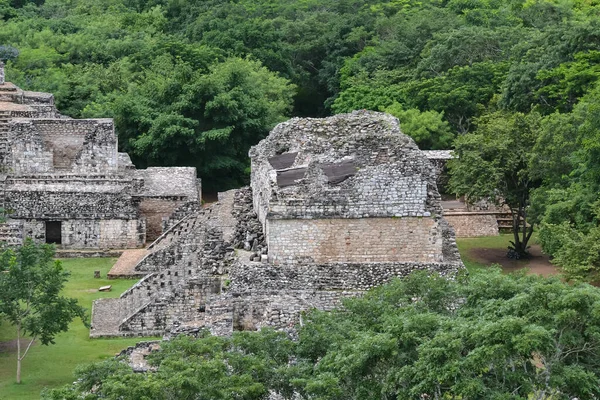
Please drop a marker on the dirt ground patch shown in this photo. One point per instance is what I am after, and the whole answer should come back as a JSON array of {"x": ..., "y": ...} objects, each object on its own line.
[
  {"x": 538, "y": 263},
  {"x": 11, "y": 345}
]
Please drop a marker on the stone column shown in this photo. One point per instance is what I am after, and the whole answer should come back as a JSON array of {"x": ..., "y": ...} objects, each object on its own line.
[{"x": 1, "y": 73}]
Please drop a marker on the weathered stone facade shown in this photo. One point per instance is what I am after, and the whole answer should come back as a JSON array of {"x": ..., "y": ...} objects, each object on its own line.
[
  {"x": 473, "y": 224},
  {"x": 63, "y": 180},
  {"x": 468, "y": 220},
  {"x": 355, "y": 206},
  {"x": 350, "y": 188}
]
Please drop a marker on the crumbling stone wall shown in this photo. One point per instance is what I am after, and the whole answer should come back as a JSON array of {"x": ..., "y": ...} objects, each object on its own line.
[
  {"x": 156, "y": 210},
  {"x": 94, "y": 211},
  {"x": 165, "y": 194},
  {"x": 46, "y": 145},
  {"x": 346, "y": 188},
  {"x": 90, "y": 233},
  {"x": 256, "y": 277},
  {"x": 70, "y": 197},
  {"x": 337, "y": 207},
  {"x": 185, "y": 267},
  {"x": 67, "y": 175},
  {"x": 36, "y": 98},
  {"x": 198, "y": 286},
  {"x": 248, "y": 233}
]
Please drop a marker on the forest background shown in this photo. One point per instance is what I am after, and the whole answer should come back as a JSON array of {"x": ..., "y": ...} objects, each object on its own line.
[{"x": 512, "y": 85}]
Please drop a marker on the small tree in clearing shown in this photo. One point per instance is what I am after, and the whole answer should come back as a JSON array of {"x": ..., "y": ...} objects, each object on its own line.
[
  {"x": 30, "y": 285},
  {"x": 493, "y": 163}
]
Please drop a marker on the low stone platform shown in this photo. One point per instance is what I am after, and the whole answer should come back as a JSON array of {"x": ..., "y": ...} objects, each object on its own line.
[
  {"x": 125, "y": 265},
  {"x": 88, "y": 253}
]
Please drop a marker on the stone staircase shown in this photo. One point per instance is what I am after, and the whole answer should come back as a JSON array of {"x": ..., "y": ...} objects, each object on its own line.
[
  {"x": 505, "y": 222},
  {"x": 4, "y": 119},
  {"x": 503, "y": 217},
  {"x": 184, "y": 267}
]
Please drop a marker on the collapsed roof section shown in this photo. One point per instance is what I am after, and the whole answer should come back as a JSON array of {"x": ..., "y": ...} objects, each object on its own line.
[{"x": 348, "y": 166}]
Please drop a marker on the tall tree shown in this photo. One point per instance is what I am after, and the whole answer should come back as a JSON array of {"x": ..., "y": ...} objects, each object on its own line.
[
  {"x": 492, "y": 164},
  {"x": 30, "y": 298}
]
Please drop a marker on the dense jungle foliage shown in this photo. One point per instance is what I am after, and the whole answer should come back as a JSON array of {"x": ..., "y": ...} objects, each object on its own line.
[
  {"x": 512, "y": 85},
  {"x": 493, "y": 336}
]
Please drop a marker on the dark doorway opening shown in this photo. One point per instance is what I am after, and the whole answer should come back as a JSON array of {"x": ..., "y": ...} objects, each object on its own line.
[{"x": 53, "y": 232}]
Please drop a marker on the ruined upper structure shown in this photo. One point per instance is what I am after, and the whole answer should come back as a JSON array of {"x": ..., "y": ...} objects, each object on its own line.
[
  {"x": 338, "y": 205},
  {"x": 350, "y": 188},
  {"x": 63, "y": 180}
]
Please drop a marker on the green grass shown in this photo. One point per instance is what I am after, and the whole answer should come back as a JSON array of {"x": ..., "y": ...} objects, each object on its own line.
[
  {"x": 52, "y": 366},
  {"x": 465, "y": 245}
]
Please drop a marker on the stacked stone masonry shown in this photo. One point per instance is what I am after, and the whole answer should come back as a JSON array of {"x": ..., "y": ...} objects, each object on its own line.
[
  {"x": 259, "y": 257},
  {"x": 358, "y": 180},
  {"x": 64, "y": 182},
  {"x": 357, "y": 239},
  {"x": 473, "y": 224}
]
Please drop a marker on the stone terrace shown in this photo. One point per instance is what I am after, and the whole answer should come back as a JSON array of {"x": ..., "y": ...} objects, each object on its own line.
[{"x": 337, "y": 247}]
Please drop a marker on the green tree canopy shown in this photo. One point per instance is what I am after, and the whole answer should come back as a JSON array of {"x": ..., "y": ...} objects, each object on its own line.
[
  {"x": 31, "y": 299},
  {"x": 489, "y": 335},
  {"x": 493, "y": 163}
]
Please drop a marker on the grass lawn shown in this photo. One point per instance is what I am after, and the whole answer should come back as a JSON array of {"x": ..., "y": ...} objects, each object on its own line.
[
  {"x": 53, "y": 365},
  {"x": 466, "y": 245},
  {"x": 482, "y": 252}
]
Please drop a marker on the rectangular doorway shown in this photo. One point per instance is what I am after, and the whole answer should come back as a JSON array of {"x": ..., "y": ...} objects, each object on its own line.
[{"x": 54, "y": 232}]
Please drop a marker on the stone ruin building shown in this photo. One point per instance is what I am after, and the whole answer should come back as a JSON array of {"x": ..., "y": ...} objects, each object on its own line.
[
  {"x": 468, "y": 220},
  {"x": 63, "y": 180},
  {"x": 336, "y": 206}
]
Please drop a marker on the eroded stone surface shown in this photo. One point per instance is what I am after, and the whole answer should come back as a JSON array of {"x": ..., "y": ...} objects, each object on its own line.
[
  {"x": 259, "y": 257},
  {"x": 64, "y": 182},
  {"x": 369, "y": 194}
]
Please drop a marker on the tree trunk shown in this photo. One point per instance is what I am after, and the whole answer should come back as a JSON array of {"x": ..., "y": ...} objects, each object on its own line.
[
  {"x": 18, "y": 370},
  {"x": 519, "y": 246},
  {"x": 18, "y": 353}
]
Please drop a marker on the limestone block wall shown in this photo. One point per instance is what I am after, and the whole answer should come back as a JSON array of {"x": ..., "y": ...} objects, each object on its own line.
[
  {"x": 156, "y": 210},
  {"x": 70, "y": 197},
  {"x": 164, "y": 193},
  {"x": 26, "y": 151},
  {"x": 169, "y": 181},
  {"x": 355, "y": 240},
  {"x": 185, "y": 210},
  {"x": 473, "y": 224},
  {"x": 11, "y": 232},
  {"x": 37, "y": 111},
  {"x": 250, "y": 277},
  {"x": 34, "y": 229},
  {"x": 48, "y": 145},
  {"x": 278, "y": 310},
  {"x": 379, "y": 191},
  {"x": 183, "y": 306},
  {"x": 91, "y": 233},
  {"x": 356, "y": 165},
  {"x": 37, "y": 98},
  {"x": 118, "y": 233}
]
